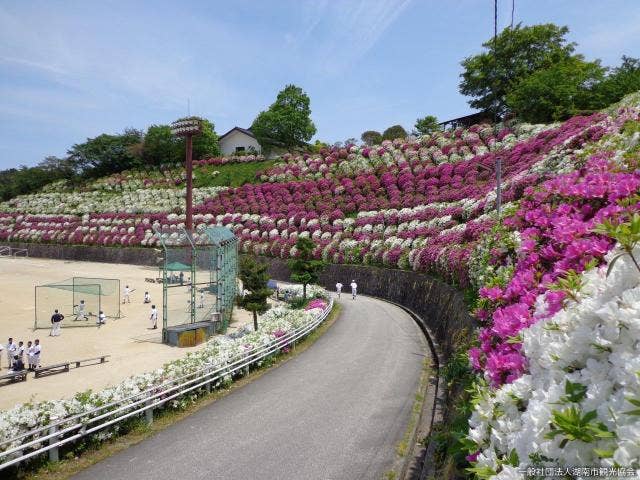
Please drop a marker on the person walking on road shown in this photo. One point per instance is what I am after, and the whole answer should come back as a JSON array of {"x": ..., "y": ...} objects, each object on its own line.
[
  {"x": 338, "y": 288},
  {"x": 56, "y": 320},
  {"x": 354, "y": 289}
]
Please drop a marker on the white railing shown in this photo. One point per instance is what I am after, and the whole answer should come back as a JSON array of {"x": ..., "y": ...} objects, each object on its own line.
[{"x": 69, "y": 429}]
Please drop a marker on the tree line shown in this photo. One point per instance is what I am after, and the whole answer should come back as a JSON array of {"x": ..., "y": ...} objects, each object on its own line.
[
  {"x": 107, "y": 154},
  {"x": 534, "y": 74}
]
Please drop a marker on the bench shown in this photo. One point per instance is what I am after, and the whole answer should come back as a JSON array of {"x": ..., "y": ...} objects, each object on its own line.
[
  {"x": 102, "y": 358},
  {"x": 12, "y": 377},
  {"x": 52, "y": 369},
  {"x": 150, "y": 280}
]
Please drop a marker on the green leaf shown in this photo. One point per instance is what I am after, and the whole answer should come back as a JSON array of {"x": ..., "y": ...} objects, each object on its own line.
[
  {"x": 482, "y": 473},
  {"x": 575, "y": 392},
  {"x": 603, "y": 453}
]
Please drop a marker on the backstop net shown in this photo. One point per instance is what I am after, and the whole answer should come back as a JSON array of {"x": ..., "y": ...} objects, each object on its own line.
[
  {"x": 199, "y": 276},
  {"x": 79, "y": 299}
]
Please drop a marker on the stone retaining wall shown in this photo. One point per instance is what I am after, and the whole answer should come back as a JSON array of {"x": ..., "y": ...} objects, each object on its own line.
[{"x": 440, "y": 307}]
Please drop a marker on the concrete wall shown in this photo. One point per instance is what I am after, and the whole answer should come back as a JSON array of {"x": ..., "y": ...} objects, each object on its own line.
[
  {"x": 440, "y": 306},
  {"x": 237, "y": 139}
]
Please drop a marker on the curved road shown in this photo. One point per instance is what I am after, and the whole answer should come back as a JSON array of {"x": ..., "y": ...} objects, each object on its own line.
[{"x": 336, "y": 411}]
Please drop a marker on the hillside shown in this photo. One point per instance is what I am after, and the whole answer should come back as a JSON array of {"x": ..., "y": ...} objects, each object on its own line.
[{"x": 558, "y": 349}]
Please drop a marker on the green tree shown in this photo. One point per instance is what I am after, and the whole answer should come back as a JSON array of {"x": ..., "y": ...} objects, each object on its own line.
[
  {"x": 427, "y": 125},
  {"x": 106, "y": 154},
  {"x": 393, "y": 132},
  {"x": 287, "y": 122},
  {"x": 558, "y": 92},
  {"x": 518, "y": 53},
  {"x": 304, "y": 269},
  {"x": 254, "y": 279},
  {"x": 371, "y": 137},
  {"x": 205, "y": 145},
  {"x": 621, "y": 81},
  {"x": 161, "y": 146}
]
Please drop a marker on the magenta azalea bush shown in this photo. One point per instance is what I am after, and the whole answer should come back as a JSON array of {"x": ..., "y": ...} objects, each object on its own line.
[
  {"x": 428, "y": 205},
  {"x": 556, "y": 224}
]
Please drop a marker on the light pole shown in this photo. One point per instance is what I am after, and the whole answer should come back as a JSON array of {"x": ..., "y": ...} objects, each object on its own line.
[{"x": 188, "y": 127}]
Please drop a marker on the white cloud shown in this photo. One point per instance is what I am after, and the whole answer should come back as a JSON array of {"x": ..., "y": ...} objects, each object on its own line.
[{"x": 340, "y": 33}]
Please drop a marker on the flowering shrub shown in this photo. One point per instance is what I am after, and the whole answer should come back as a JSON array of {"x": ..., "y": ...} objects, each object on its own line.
[
  {"x": 216, "y": 353},
  {"x": 414, "y": 154},
  {"x": 578, "y": 402},
  {"x": 316, "y": 303}
]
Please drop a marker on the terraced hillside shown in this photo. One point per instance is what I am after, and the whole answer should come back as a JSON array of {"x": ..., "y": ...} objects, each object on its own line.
[{"x": 556, "y": 359}]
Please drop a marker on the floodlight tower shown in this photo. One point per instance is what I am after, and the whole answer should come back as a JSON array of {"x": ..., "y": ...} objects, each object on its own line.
[{"x": 188, "y": 127}]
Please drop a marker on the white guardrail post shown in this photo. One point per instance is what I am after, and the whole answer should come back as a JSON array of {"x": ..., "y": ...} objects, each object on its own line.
[
  {"x": 53, "y": 452},
  {"x": 69, "y": 429},
  {"x": 148, "y": 413}
]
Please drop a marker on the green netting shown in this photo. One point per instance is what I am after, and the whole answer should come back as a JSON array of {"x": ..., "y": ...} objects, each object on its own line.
[
  {"x": 89, "y": 289},
  {"x": 68, "y": 295}
]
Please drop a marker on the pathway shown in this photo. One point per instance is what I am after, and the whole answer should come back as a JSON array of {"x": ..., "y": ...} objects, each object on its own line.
[{"x": 336, "y": 411}]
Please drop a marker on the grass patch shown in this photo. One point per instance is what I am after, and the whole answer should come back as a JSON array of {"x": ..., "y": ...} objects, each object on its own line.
[
  {"x": 231, "y": 174},
  {"x": 449, "y": 436},
  {"x": 404, "y": 446},
  {"x": 84, "y": 455}
]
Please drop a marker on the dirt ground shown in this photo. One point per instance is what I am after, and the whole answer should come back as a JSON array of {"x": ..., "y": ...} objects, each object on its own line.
[{"x": 133, "y": 347}]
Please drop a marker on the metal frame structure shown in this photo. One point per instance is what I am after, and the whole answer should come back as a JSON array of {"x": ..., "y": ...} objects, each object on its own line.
[
  {"x": 67, "y": 430},
  {"x": 213, "y": 249},
  {"x": 73, "y": 286}
]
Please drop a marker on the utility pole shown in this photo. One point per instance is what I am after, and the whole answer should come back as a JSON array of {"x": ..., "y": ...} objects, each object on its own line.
[{"x": 495, "y": 63}]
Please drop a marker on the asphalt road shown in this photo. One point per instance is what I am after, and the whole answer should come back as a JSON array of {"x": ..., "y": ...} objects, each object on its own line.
[{"x": 336, "y": 411}]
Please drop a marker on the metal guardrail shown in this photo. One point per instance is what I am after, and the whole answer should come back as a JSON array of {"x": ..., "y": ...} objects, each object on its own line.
[{"x": 69, "y": 429}]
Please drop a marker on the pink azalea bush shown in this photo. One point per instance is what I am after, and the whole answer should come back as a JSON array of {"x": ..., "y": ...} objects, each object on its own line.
[
  {"x": 556, "y": 223},
  {"x": 316, "y": 303}
]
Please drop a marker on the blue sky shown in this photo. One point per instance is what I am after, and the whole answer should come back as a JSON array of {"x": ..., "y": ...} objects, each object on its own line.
[{"x": 75, "y": 69}]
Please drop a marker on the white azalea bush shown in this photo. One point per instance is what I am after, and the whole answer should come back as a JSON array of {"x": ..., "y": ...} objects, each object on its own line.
[
  {"x": 217, "y": 353},
  {"x": 579, "y": 403},
  {"x": 143, "y": 200}
]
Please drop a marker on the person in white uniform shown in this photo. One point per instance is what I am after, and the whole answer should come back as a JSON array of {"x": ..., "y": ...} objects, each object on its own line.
[
  {"x": 147, "y": 297},
  {"x": 201, "y": 305},
  {"x": 11, "y": 351},
  {"x": 36, "y": 353},
  {"x": 154, "y": 317},
  {"x": 30, "y": 355},
  {"x": 338, "y": 289},
  {"x": 20, "y": 351},
  {"x": 126, "y": 293},
  {"x": 354, "y": 289},
  {"x": 102, "y": 319},
  {"x": 81, "y": 313}
]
